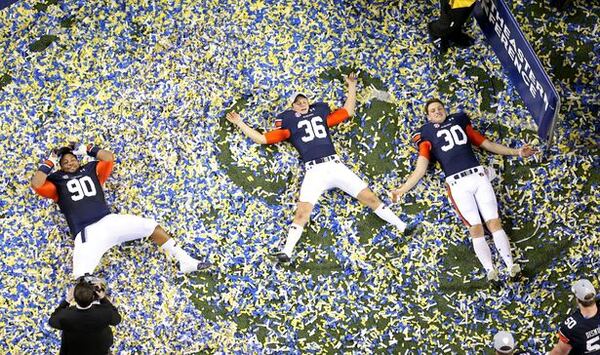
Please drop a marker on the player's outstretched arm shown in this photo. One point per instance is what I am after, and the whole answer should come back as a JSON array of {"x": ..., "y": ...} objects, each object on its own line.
[
  {"x": 350, "y": 104},
  {"x": 413, "y": 179},
  {"x": 525, "y": 151},
  {"x": 561, "y": 348},
  {"x": 250, "y": 132}
]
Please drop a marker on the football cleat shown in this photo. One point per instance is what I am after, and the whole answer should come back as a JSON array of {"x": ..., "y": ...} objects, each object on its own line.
[
  {"x": 412, "y": 229},
  {"x": 515, "y": 270},
  {"x": 193, "y": 265},
  {"x": 280, "y": 257},
  {"x": 492, "y": 275}
]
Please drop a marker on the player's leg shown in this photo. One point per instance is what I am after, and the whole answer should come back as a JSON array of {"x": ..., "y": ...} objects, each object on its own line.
[
  {"x": 382, "y": 211},
  {"x": 89, "y": 246},
  {"x": 488, "y": 206},
  {"x": 170, "y": 246},
  {"x": 125, "y": 228},
  {"x": 463, "y": 201},
  {"x": 88, "y": 250},
  {"x": 301, "y": 216},
  {"x": 353, "y": 185},
  {"x": 315, "y": 182}
]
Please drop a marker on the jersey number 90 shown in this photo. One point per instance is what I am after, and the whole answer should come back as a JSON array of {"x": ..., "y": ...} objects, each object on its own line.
[
  {"x": 313, "y": 128},
  {"x": 453, "y": 136},
  {"x": 81, "y": 187}
]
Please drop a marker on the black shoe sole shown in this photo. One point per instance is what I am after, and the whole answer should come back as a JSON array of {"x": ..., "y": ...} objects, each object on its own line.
[{"x": 280, "y": 257}]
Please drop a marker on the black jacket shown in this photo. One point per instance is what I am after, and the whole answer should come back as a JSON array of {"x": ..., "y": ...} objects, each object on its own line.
[{"x": 85, "y": 331}]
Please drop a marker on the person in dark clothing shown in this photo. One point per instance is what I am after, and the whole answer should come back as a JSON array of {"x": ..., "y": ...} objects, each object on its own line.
[
  {"x": 448, "y": 28},
  {"x": 86, "y": 325}
]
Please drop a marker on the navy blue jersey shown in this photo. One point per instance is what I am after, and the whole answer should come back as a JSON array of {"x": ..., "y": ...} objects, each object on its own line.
[
  {"x": 583, "y": 334},
  {"x": 309, "y": 132},
  {"x": 450, "y": 142},
  {"x": 80, "y": 196}
]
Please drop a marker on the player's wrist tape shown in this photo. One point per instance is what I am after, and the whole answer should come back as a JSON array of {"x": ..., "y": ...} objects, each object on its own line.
[
  {"x": 92, "y": 150},
  {"x": 46, "y": 167}
]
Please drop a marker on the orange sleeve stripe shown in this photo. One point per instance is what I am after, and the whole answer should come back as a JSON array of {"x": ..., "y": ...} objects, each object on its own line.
[
  {"x": 425, "y": 149},
  {"x": 563, "y": 338},
  {"x": 474, "y": 136},
  {"x": 103, "y": 170},
  {"x": 337, "y": 116},
  {"x": 278, "y": 135},
  {"x": 48, "y": 190},
  {"x": 416, "y": 138}
]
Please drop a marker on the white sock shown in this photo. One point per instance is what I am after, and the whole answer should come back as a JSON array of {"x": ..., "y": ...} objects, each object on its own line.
[
  {"x": 387, "y": 215},
  {"x": 175, "y": 251},
  {"x": 294, "y": 234},
  {"x": 482, "y": 250},
  {"x": 503, "y": 246}
]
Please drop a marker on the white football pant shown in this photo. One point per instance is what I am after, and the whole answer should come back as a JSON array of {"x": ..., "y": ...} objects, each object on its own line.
[
  {"x": 111, "y": 230},
  {"x": 471, "y": 195}
]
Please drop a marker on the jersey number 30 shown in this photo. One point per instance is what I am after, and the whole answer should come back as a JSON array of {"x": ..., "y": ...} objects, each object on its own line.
[
  {"x": 81, "y": 188},
  {"x": 313, "y": 128},
  {"x": 454, "y": 136}
]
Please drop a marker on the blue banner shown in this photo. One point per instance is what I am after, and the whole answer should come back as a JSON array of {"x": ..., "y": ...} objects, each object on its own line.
[
  {"x": 520, "y": 61},
  {"x": 6, "y": 3}
]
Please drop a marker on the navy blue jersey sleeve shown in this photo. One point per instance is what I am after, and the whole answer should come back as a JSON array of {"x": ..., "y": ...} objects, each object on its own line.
[
  {"x": 463, "y": 119},
  {"x": 279, "y": 121},
  {"x": 91, "y": 166}
]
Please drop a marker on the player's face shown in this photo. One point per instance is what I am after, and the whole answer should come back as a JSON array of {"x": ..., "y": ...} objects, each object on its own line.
[
  {"x": 436, "y": 112},
  {"x": 69, "y": 163},
  {"x": 301, "y": 105}
]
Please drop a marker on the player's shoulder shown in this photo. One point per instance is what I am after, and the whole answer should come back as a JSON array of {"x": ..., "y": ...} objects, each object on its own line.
[
  {"x": 420, "y": 135},
  {"x": 282, "y": 117},
  {"x": 320, "y": 106},
  {"x": 569, "y": 324},
  {"x": 55, "y": 175},
  {"x": 459, "y": 117},
  {"x": 424, "y": 129},
  {"x": 89, "y": 165}
]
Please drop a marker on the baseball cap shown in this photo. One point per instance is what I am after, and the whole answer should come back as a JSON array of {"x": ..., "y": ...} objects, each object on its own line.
[
  {"x": 504, "y": 342},
  {"x": 583, "y": 290},
  {"x": 295, "y": 96}
]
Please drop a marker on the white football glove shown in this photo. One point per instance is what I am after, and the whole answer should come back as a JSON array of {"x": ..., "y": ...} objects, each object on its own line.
[
  {"x": 53, "y": 158},
  {"x": 79, "y": 149}
]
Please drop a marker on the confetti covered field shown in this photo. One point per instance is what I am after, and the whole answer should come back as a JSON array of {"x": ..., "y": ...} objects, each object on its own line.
[{"x": 152, "y": 80}]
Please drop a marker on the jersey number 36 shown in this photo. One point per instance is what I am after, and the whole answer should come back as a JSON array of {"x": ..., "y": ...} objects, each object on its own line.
[
  {"x": 313, "y": 128},
  {"x": 81, "y": 187},
  {"x": 453, "y": 136}
]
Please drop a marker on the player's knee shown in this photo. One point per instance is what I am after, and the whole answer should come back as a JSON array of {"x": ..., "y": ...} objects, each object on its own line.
[
  {"x": 303, "y": 213},
  {"x": 367, "y": 197},
  {"x": 494, "y": 224},
  {"x": 476, "y": 231}
]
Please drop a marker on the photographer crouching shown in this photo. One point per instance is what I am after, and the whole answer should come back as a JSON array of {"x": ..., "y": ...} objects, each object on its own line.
[{"x": 86, "y": 325}]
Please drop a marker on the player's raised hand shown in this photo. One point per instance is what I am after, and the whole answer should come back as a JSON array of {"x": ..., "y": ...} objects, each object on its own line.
[
  {"x": 78, "y": 148},
  {"x": 396, "y": 194},
  {"x": 527, "y": 151},
  {"x": 233, "y": 117},
  {"x": 70, "y": 296},
  {"x": 351, "y": 79},
  {"x": 52, "y": 158}
]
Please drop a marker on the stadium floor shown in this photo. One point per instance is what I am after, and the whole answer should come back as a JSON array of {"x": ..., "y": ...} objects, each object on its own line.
[{"x": 152, "y": 81}]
